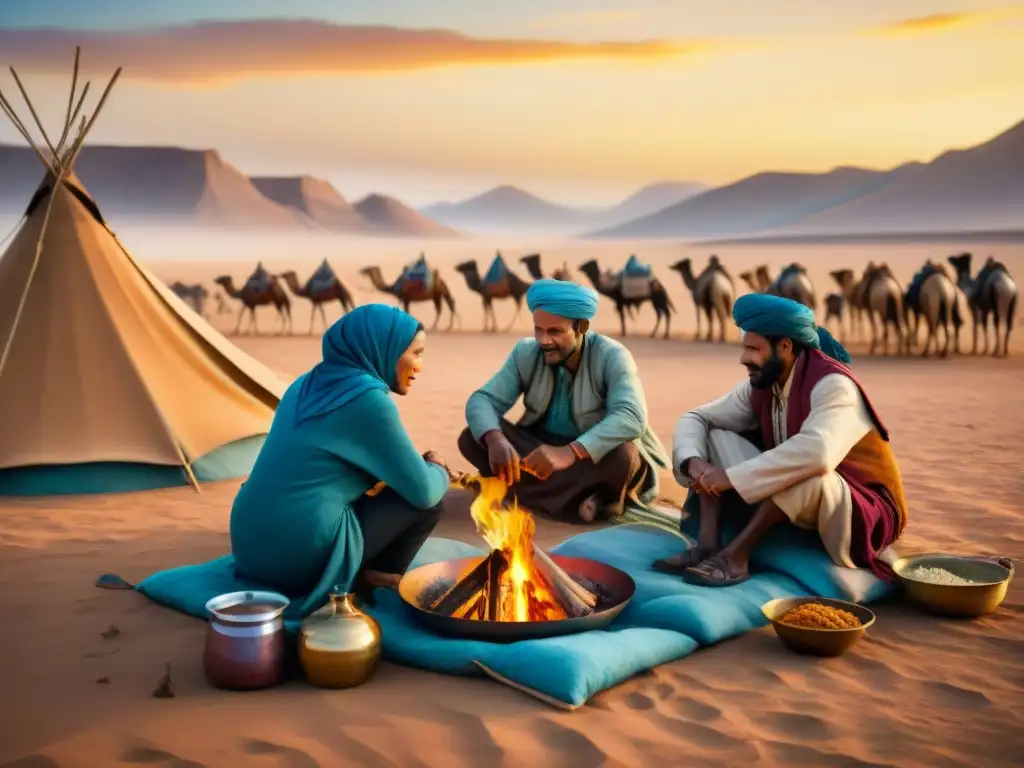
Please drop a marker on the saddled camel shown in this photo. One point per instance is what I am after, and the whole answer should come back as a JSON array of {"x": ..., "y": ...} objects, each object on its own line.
[
  {"x": 257, "y": 294},
  {"x": 608, "y": 284},
  {"x": 195, "y": 295},
  {"x": 884, "y": 300},
  {"x": 319, "y": 294},
  {"x": 792, "y": 283},
  {"x": 408, "y": 293},
  {"x": 512, "y": 287},
  {"x": 713, "y": 294},
  {"x": 932, "y": 294},
  {"x": 532, "y": 262},
  {"x": 992, "y": 293}
]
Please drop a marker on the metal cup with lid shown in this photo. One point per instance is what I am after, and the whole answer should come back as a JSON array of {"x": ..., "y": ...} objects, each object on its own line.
[{"x": 245, "y": 640}]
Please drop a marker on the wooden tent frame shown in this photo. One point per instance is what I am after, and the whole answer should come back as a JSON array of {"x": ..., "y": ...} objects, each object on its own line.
[{"x": 59, "y": 166}]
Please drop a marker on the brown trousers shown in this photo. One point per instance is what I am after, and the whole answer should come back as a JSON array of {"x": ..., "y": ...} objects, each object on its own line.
[{"x": 615, "y": 476}]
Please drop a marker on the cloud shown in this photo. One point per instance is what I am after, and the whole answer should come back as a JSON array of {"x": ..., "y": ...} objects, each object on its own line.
[
  {"x": 938, "y": 23},
  {"x": 218, "y": 51}
]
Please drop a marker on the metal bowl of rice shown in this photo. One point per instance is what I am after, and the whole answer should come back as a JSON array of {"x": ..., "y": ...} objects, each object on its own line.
[{"x": 955, "y": 585}]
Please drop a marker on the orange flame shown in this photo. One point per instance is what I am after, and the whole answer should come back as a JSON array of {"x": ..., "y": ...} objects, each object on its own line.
[{"x": 525, "y": 594}]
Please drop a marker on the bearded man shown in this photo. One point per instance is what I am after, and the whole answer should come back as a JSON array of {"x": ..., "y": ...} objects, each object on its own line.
[
  {"x": 583, "y": 446},
  {"x": 819, "y": 455}
]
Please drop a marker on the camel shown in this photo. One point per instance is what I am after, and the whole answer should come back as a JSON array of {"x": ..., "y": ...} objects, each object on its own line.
[
  {"x": 884, "y": 298},
  {"x": 835, "y": 307},
  {"x": 319, "y": 294},
  {"x": 608, "y": 285},
  {"x": 993, "y": 292},
  {"x": 713, "y": 292},
  {"x": 512, "y": 287},
  {"x": 792, "y": 283},
  {"x": 254, "y": 295},
  {"x": 933, "y": 294},
  {"x": 222, "y": 306},
  {"x": 408, "y": 293},
  {"x": 853, "y": 299},
  {"x": 532, "y": 263},
  {"x": 194, "y": 295}
]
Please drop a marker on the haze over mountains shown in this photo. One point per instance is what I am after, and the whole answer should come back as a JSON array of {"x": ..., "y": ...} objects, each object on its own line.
[
  {"x": 510, "y": 209},
  {"x": 977, "y": 189},
  {"x": 169, "y": 185}
]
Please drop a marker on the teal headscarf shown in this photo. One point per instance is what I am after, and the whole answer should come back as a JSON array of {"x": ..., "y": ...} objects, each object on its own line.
[
  {"x": 360, "y": 353},
  {"x": 562, "y": 298},
  {"x": 776, "y": 316}
]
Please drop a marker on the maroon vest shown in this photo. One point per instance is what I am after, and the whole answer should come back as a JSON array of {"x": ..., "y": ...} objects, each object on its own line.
[{"x": 870, "y": 469}]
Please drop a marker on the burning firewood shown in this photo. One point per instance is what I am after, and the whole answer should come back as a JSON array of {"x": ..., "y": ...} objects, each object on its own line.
[
  {"x": 476, "y": 581},
  {"x": 574, "y": 598}
]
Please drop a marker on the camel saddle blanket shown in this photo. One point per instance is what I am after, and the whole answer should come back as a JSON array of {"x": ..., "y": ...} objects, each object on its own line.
[
  {"x": 258, "y": 283},
  {"x": 635, "y": 288},
  {"x": 498, "y": 289}
]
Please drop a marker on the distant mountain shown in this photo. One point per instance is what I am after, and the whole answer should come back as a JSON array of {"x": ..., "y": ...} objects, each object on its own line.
[
  {"x": 763, "y": 201},
  {"x": 647, "y": 200},
  {"x": 186, "y": 186},
  {"x": 316, "y": 198},
  {"x": 386, "y": 214},
  {"x": 155, "y": 184},
  {"x": 508, "y": 209},
  {"x": 979, "y": 189}
]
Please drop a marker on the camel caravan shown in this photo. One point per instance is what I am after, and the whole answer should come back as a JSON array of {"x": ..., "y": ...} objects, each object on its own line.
[{"x": 940, "y": 297}]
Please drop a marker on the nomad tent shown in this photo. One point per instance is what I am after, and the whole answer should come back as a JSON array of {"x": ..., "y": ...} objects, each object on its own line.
[{"x": 108, "y": 381}]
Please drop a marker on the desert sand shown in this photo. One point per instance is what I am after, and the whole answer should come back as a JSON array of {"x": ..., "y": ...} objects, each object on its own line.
[{"x": 917, "y": 691}]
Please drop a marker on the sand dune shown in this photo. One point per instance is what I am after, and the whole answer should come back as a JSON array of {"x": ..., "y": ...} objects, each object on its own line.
[
  {"x": 916, "y": 692},
  {"x": 316, "y": 198}
]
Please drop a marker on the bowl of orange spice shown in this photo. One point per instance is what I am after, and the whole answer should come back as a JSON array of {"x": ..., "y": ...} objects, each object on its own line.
[{"x": 818, "y": 626}]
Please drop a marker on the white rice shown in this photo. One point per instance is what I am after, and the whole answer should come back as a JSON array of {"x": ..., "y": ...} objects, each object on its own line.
[{"x": 934, "y": 575}]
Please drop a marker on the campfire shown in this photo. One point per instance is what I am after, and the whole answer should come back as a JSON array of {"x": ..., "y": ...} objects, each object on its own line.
[{"x": 517, "y": 581}]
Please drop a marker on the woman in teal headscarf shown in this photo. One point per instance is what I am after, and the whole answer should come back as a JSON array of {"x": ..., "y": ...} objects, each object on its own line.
[{"x": 303, "y": 522}]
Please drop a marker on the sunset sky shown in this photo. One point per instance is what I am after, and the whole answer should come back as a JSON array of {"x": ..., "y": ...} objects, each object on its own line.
[{"x": 580, "y": 101}]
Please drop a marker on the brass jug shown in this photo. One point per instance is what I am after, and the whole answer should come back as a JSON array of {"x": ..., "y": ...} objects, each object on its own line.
[{"x": 339, "y": 645}]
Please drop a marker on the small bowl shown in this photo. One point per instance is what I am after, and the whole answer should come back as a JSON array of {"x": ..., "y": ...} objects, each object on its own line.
[
  {"x": 811, "y": 641},
  {"x": 991, "y": 577}
]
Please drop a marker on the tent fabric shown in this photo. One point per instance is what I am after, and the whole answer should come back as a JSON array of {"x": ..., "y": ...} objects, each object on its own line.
[
  {"x": 107, "y": 364},
  {"x": 497, "y": 272}
]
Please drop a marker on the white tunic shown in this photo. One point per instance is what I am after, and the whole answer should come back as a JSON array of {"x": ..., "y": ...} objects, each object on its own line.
[{"x": 799, "y": 473}]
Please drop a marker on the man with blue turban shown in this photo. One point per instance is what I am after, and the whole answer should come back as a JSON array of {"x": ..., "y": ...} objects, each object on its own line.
[
  {"x": 797, "y": 440},
  {"x": 583, "y": 446}
]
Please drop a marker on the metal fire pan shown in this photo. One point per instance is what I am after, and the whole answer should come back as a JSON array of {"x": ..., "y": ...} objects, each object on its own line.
[{"x": 421, "y": 586}]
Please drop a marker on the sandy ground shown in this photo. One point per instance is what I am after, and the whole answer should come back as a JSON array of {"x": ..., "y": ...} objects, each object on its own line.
[{"x": 917, "y": 691}]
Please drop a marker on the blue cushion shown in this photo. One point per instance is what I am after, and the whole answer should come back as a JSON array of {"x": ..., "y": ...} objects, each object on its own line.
[{"x": 666, "y": 620}]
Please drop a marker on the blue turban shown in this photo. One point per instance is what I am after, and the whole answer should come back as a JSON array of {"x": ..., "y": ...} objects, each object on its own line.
[
  {"x": 784, "y": 318},
  {"x": 360, "y": 353},
  {"x": 562, "y": 298}
]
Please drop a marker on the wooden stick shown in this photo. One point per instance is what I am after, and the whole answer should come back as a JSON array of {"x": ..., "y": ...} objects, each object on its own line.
[
  {"x": 495, "y": 570},
  {"x": 68, "y": 118},
  {"x": 467, "y": 587},
  {"x": 32, "y": 109},
  {"x": 576, "y": 600},
  {"x": 16, "y": 122},
  {"x": 74, "y": 115},
  {"x": 95, "y": 114}
]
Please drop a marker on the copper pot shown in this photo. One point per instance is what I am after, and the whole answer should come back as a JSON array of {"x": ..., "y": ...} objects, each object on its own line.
[
  {"x": 245, "y": 640},
  {"x": 339, "y": 645}
]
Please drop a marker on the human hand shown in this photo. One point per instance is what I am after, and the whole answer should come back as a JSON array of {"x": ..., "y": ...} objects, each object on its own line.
[
  {"x": 545, "y": 460},
  {"x": 715, "y": 481},
  {"x": 503, "y": 458},
  {"x": 433, "y": 457}
]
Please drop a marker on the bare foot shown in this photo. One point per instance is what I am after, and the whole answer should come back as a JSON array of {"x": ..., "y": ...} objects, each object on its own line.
[{"x": 590, "y": 507}]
